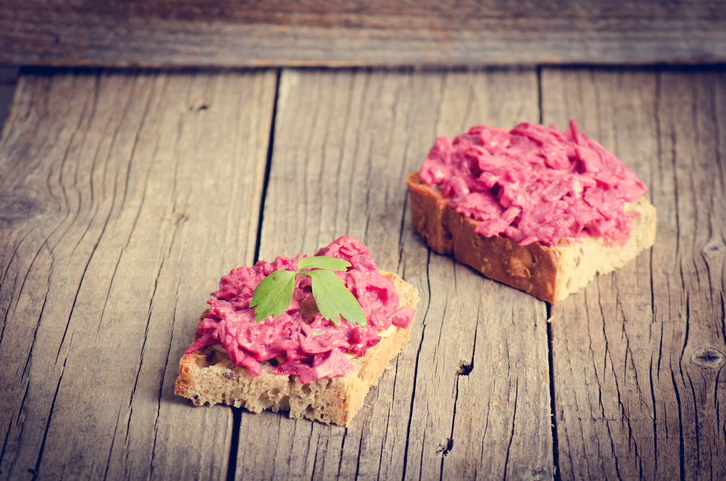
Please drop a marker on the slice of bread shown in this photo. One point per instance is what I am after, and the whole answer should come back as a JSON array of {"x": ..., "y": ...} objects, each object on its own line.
[
  {"x": 548, "y": 273},
  {"x": 208, "y": 376}
]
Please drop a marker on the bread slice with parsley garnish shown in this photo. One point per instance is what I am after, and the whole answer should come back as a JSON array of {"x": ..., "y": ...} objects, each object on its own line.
[{"x": 298, "y": 360}]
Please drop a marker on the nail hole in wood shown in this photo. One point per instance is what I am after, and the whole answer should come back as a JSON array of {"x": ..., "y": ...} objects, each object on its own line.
[
  {"x": 445, "y": 449},
  {"x": 464, "y": 368}
]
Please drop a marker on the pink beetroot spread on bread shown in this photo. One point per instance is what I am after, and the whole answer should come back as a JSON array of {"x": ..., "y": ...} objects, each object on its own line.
[
  {"x": 534, "y": 183},
  {"x": 300, "y": 341}
]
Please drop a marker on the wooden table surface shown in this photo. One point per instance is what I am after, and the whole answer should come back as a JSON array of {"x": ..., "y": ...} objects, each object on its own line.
[{"x": 126, "y": 194}]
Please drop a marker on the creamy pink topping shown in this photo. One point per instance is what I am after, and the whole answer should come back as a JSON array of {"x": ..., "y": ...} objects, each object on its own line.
[
  {"x": 534, "y": 183},
  {"x": 300, "y": 341}
]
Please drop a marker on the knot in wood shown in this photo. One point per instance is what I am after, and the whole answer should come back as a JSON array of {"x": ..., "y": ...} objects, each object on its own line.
[
  {"x": 708, "y": 357},
  {"x": 15, "y": 208},
  {"x": 714, "y": 247}
]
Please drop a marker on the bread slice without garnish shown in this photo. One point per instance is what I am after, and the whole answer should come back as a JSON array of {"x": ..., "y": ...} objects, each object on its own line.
[
  {"x": 208, "y": 376},
  {"x": 547, "y": 273}
]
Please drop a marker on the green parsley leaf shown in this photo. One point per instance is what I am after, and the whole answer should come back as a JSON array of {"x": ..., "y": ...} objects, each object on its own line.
[
  {"x": 334, "y": 299},
  {"x": 323, "y": 262},
  {"x": 273, "y": 294}
]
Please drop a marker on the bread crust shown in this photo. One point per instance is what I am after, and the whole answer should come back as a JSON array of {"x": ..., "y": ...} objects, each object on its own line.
[
  {"x": 549, "y": 273},
  {"x": 208, "y": 376}
]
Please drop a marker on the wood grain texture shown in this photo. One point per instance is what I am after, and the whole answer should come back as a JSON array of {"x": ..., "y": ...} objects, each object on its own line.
[
  {"x": 357, "y": 32},
  {"x": 344, "y": 142},
  {"x": 120, "y": 201},
  {"x": 639, "y": 355},
  {"x": 125, "y": 195}
]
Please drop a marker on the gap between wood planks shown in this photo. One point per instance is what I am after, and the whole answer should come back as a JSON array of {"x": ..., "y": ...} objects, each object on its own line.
[
  {"x": 465, "y": 368},
  {"x": 237, "y": 412},
  {"x": 8, "y": 79},
  {"x": 550, "y": 344},
  {"x": 553, "y": 418}
]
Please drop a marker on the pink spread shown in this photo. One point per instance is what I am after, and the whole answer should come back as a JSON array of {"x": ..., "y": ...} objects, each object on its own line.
[
  {"x": 300, "y": 341},
  {"x": 534, "y": 183}
]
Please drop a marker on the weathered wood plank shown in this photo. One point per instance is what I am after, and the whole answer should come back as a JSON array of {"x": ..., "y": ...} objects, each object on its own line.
[
  {"x": 639, "y": 354},
  {"x": 357, "y": 32},
  {"x": 482, "y": 386},
  {"x": 689, "y": 269},
  {"x": 344, "y": 141},
  {"x": 125, "y": 196}
]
